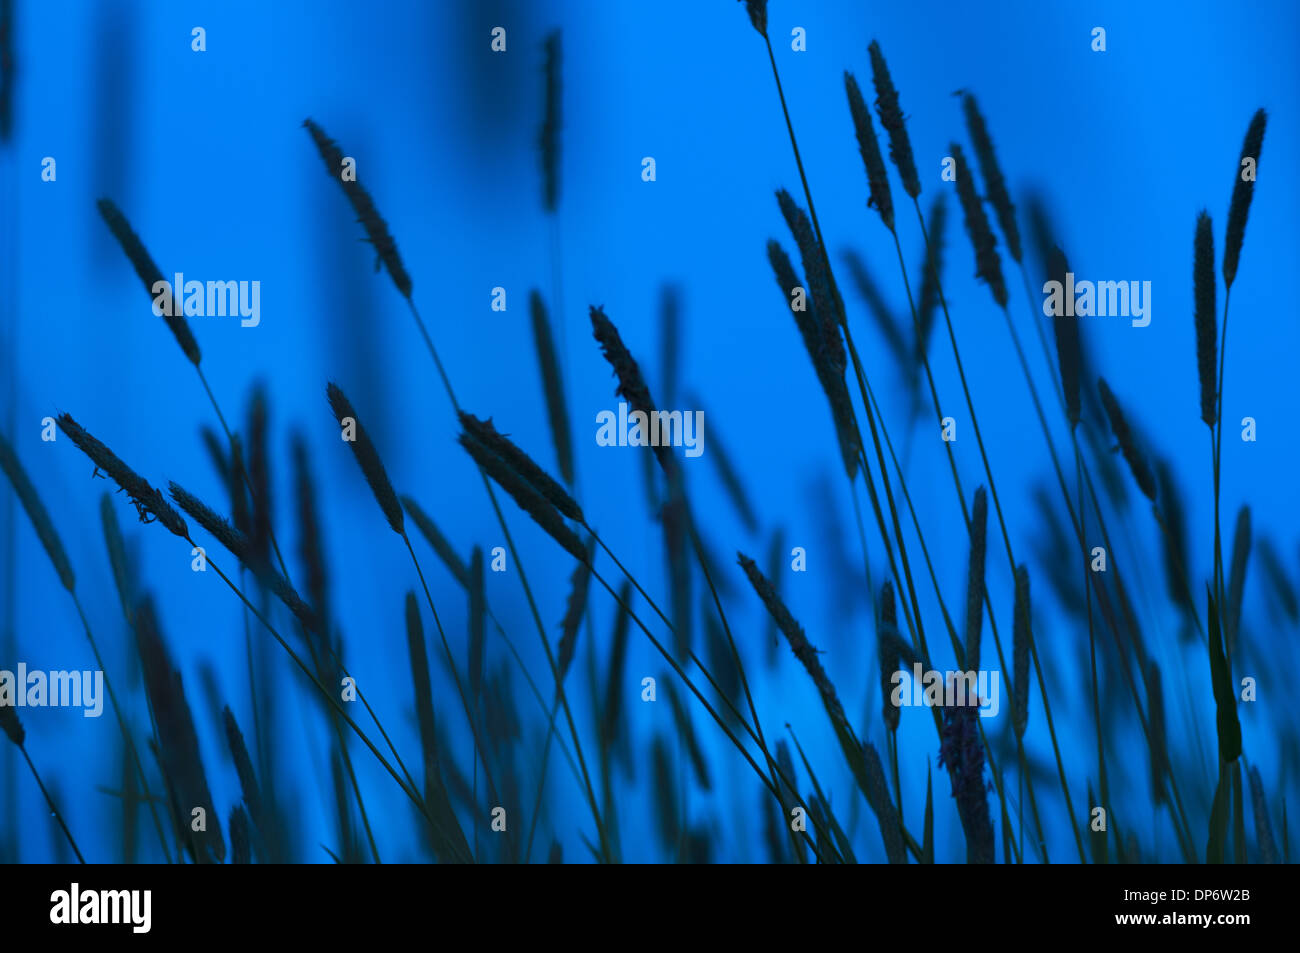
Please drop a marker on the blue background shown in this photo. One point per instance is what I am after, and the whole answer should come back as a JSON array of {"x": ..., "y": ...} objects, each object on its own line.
[{"x": 205, "y": 154}]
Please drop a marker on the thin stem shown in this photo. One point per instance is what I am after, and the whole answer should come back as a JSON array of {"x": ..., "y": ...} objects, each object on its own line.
[
  {"x": 248, "y": 661},
  {"x": 929, "y": 376},
  {"x": 50, "y": 801},
  {"x": 966, "y": 518},
  {"x": 957, "y": 648},
  {"x": 1031, "y": 300},
  {"x": 555, "y": 673},
  {"x": 779, "y": 775}
]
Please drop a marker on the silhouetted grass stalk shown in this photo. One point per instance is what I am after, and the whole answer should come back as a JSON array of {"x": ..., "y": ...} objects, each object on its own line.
[
  {"x": 150, "y": 273},
  {"x": 25, "y": 490},
  {"x": 955, "y": 641},
  {"x": 879, "y": 191},
  {"x": 913, "y": 188},
  {"x": 13, "y": 730},
  {"x": 1006, "y": 217},
  {"x": 407, "y": 785},
  {"x": 376, "y": 476},
  {"x": 1038, "y": 669},
  {"x": 910, "y": 610},
  {"x": 1075, "y": 518},
  {"x": 151, "y": 503},
  {"x": 686, "y": 680},
  {"x": 1239, "y": 208}
]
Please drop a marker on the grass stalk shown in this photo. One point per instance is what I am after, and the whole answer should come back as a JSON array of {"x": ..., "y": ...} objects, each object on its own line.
[{"x": 523, "y": 578}]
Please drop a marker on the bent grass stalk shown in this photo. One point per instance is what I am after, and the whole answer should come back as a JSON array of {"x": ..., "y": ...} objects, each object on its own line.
[
  {"x": 955, "y": 641},
  {"x": 721, "y": 722},
  {"x": 871, "y": 158},
  {"x": 901, "y": 152},
  {"x": 1006, "y": 217},
  {"x": 151, "y": 503},
  {"x": 311, "y": 554},
  {"x": 521, "y": 487},
  {"x": 285, "y": 592},
  {"x": 372, "y": 224},
  {"x": 149, "y": 274},
  {"x": 1060, "y": 390},
  {"x": 520, "y": 475},
  {"x": 406, "y": 785},
  {"x": 632, "y": 385},
  {"x": 14, "y": 731},
  {"x": 1243, "y": 190},
  {"x": 832, "y": 320},
  {"x": 453, "y": 563},
  {"x": 575, "y": 609},
  {"x": 911, "y": 611},
  {"x": 1033, "y": 648},
  {"x": 372, "y": 468}
]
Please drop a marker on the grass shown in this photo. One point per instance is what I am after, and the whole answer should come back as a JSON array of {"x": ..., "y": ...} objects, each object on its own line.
[{"x": 712, "y": 746}]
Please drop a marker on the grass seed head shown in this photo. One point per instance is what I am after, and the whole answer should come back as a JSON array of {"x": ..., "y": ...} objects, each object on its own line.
[
  {"x": 1243, "y": 190},
  {"x": 891, "y": 117}
]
